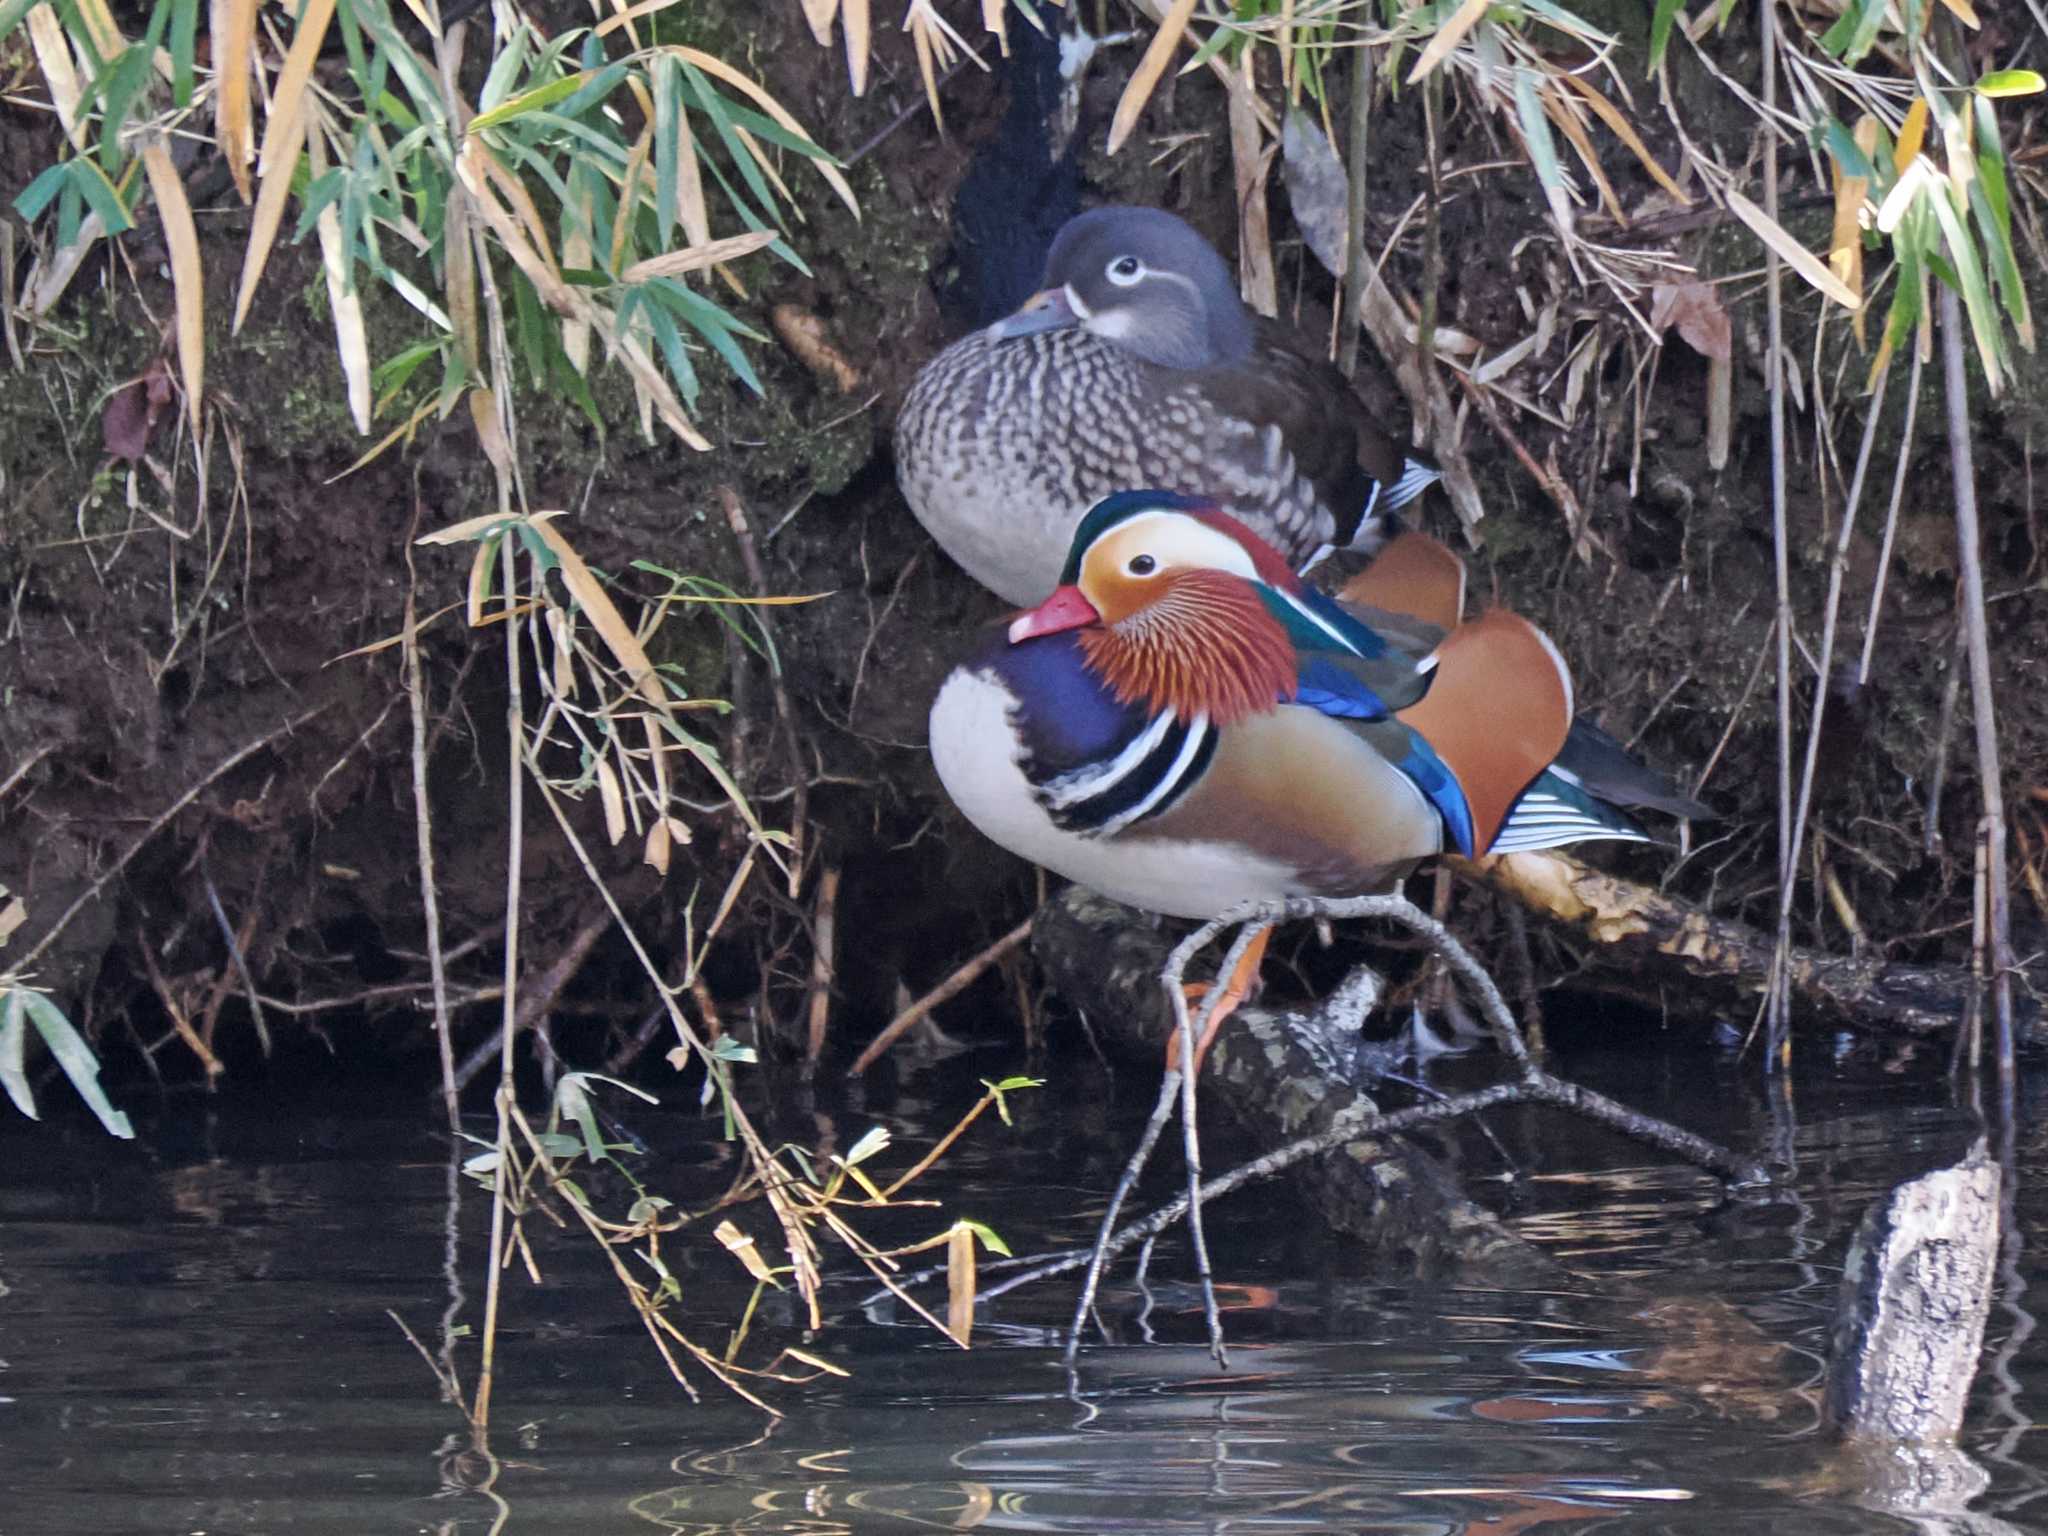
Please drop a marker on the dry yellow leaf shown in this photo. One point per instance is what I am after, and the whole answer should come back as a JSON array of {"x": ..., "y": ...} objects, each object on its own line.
[
  {"x": 1801, "y": 260},
  {"x": 1448, "y": 36},
  {"x": 1625, "y": 131},
  {"x": 274, "y": 185},
  {"x": 233, "y": 24},
  {"x": 1912, "y": 134},
  {"x": 1145, "y": 78},
  {"x": 60, "y": 75},
  {"x": 614, "y": 802},
  {"x": 188, "y": 274}
]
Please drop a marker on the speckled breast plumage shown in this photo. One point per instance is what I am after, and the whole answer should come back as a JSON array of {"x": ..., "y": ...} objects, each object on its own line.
[{"x": 1002, "y": 446}]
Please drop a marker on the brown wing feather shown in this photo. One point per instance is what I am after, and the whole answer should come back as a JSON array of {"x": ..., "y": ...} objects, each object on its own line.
[
  {"x": 1497, "y": 713},
  {"x": 1413, "y": 575}
]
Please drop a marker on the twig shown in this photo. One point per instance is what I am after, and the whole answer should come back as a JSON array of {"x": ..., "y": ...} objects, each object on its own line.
[
  {"x": 961, "y": 979},
  {"x": 423, "y": 832},
  {"x": 1982, "y": 704},
  {"x": 1777, "y": 997},
  {"x": 1891, "y": 522},
  {"x": 823, "y": 928},
  {"x": 1824, "y": 670}
]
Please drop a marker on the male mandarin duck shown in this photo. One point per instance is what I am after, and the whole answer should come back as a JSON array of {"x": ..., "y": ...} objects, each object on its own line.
[
  {"x": 1137, "y": 364},
  {"x": 1183, "y": 725}
]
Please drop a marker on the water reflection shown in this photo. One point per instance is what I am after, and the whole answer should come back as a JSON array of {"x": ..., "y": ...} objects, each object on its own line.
[{"x": 197, "y": 1334}]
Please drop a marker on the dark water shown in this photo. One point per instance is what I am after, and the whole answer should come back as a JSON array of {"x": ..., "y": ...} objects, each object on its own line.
[{"x": 195, "y": 1335}]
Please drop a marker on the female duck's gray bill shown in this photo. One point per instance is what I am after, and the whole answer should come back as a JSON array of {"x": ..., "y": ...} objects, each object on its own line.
[{"x": 1049, "y": 309}]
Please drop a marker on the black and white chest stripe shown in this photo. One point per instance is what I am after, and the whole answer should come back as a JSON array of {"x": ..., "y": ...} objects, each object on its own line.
[{"x": 1142, "y": 778}]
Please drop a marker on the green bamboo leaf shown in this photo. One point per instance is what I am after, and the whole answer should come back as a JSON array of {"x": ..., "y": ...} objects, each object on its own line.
[
  {"x": 2004, "y": 265},
  {"x": 668, "y": 115},
  {"x": 11, "y": 14},
  {"x": 528, "y": 101},
  {"x": 506, "y": 68},
  {"x": 2000, "y": 82},
  {"x": 718, "y": 109},
  {"x": 38, "y": 194},
  {"x": 14, "y": 1053},
  {"x": 73, "y": 1055},
  {"x": 1855, "y": 31},
  {"x": 1842, "y": 145},
  {"x": 92, "y": 184},
  {"x": 1660, "y": 31},
  {"x": 988, "y": 1237},
  {"x": 184, "y": 24},
  {"x": 1542, "y": 147},
  {"x": 1971, "y": 285}
]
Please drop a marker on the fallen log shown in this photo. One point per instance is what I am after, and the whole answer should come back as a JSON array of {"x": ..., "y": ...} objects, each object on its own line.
[{"x": 1658, "y": 936}]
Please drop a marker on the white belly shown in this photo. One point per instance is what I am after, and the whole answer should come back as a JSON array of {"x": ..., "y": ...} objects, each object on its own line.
[{"x": 975, "y": 751}]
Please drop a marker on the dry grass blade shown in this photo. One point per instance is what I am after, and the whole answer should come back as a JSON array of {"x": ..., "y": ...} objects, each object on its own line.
[
  {"x": 53, "y": 56},
  {"x": 819, "y": 14},
  {"x": 1252, "y": 165},
  {"x": 1448, "y": 36},
  {"x": 859, "y": 36},
  {"x": 719, "y": 69},
  {"x": 288, "y": 97},
  {"x": 695, "y": 258},
  {"x": 1145, "y": 78},
  {"x": 576, "y": 253},
  {"x": 1797, "y": 256},
  {"x": 233, "y": 26},
  {"x": 1624, "y": 130},
  {"x": 188, "y": 274},
  {"x": 274, "y": 187},
  {"x": 1559, "y": 111}
]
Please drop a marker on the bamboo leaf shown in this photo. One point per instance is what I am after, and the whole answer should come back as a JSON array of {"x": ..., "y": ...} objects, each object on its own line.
[
  {"x": 60, "y": 74},
  {"x": 1151, "y": 67},
  {"x": 188, "y": 274},
  {"x": 231, "y": 24},
  {"x": 2011, "y": 82},
  {"x": 721, "y": 70},
  {"x": 1448, "y": 36},
  {"x": 1801, "y": 260},
  {"x": 273, "y": 186},
  {"x": 529, "y": 101},
  {"x": 697, "y": 257},
  {"x": 1660, "y": 31},
  {"x": 1625, "y": 131}
]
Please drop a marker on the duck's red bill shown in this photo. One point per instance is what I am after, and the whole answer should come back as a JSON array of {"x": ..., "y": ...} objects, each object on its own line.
[{"x": 1065, "y": 609}]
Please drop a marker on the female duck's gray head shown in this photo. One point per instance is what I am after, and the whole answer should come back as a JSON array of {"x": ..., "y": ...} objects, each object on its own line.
[{"x": 1144, "y": 280}]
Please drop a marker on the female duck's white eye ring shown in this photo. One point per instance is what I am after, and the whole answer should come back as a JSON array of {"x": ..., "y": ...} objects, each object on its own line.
[
  {"x": 1125, "y": 271},
  {"x": 1142, "y": 565}
]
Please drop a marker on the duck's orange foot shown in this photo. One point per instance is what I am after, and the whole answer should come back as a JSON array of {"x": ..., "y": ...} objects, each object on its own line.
[{"x": 1234, "y": 993}]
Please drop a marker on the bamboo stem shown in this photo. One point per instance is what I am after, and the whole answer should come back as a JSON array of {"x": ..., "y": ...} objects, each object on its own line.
[{"x": 1983, "y": 707}]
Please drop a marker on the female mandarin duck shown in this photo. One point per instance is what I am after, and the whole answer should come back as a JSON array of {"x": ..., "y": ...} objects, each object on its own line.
[
  {"x": 1183, "y": 725},
  {"x": 1138, "y": 364}
]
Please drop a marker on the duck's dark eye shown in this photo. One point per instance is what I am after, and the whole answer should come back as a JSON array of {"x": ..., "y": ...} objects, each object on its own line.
[
  {"x": 1142, "y": 565},
  {"x": 1125, "y": 270}
]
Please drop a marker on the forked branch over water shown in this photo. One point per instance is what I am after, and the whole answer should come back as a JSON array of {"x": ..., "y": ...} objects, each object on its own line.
[{"x": 1530, "y": 1085}]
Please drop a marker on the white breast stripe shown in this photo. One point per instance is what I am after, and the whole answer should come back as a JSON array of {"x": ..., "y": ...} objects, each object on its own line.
[
  {"x": 1087, "y": 783},
  {"x": 1198, "y": 733}
]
